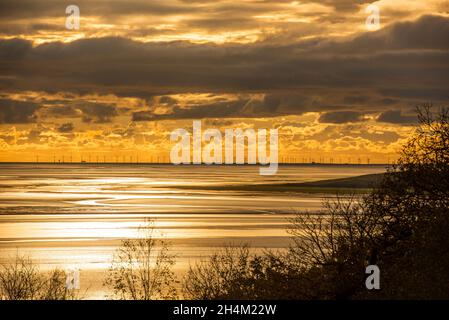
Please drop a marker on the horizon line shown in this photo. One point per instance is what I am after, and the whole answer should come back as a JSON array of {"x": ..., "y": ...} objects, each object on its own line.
[{"x": 192, "y": 164}]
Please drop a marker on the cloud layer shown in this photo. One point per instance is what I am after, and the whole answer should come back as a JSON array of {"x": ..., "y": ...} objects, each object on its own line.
[{"x": 138, "y": 68}]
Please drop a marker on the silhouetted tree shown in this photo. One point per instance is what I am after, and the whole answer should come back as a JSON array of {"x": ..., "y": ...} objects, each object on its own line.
[
  {"x": 142, "y": 268},
  {"x": 221, "y": 276},
  {"x": 414, "y": 250},
  {"x": 401, "y": 226},
  {"x": 22, "y": 280}
]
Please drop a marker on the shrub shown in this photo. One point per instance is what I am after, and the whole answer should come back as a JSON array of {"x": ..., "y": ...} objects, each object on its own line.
[
  {"x": 401, "y": 226},
  {"x": 142, "y": 268},
  {"x": 22, "y": 280}
]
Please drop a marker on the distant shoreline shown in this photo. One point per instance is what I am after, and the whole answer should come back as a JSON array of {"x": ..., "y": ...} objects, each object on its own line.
[{"x": 358, "y": 184}]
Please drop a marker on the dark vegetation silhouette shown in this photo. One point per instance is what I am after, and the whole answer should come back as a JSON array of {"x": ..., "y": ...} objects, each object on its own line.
[
  {"x": 142, "y": 268},
  {"x": 22, "y": 280},
  {"x": 402, "y": 226}
]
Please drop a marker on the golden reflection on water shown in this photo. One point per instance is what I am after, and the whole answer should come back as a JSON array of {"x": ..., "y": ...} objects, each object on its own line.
[
  {"x": 76, "y": 215},
  {"x": 117, "y": 226}
]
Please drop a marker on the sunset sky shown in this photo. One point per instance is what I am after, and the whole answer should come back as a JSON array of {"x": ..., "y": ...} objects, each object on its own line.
[{"x": 137, "y": 69}]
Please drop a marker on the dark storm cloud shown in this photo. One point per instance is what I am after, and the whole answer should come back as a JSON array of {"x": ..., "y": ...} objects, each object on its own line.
[
  {"x": 341, "y": 117},
  {"x": 271, "y": 104},
  {"x": 66, "y": 127},
  {"x": 388, "y": 64},
  {"x": 89, "y": 112},
  {"x": 62, "y": 111},
  {"x": 50, "y": 8},
  {"x": 396, "y": 116},
  {"x": 167, "y": 100},
  {"x": 350, "y": 99},
  {"x": 13, "y": 29},
  {"x": 97, "y": 112},
  {"x": 13, "y": 49},
  {"x": 422, "y": 92},
  {"x": 112, "y": 9},
  {"x": 220, "y": 109},
  {"x": 428, "y": 32},
  {"x": 17, "y": 111},
  {"x": 31, "y": 17},
  {"x": 343, "y": 5}
]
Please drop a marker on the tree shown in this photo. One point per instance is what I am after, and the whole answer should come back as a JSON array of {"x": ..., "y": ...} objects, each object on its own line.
[
  {"x": 401, "y": 226},
  {"x": 22, "y": 280},
  {"x": 142, "y": 268},
  {"x": 414, "y": 252},
  {"x": 334, "y": 246},
  {"x": 221, "y": 276}
]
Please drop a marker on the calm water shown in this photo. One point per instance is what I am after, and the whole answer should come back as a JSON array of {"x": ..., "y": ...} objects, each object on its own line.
[{"x": 75, "y": 215}]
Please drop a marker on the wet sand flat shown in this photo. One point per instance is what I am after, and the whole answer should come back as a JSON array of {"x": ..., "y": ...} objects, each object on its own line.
[{"x": 75, "y": 215}]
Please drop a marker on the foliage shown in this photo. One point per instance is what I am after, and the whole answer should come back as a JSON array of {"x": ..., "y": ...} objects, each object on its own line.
[
  {"x": 401, "y": 226},
  {"x": 22, "y": 280},
  {"x": 142, "y": 268}
]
